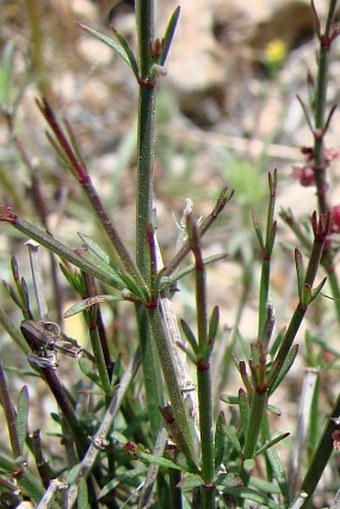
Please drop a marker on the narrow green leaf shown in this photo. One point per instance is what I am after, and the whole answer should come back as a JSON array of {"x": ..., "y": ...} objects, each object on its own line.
[
  {"x": 228, "y": 481},
  {"x": 274, "y": 410},
  {"x": 229, "y": 399},
  {"x": 108, "y": 41},
  {"x": 188, "y": 353},
  {"x": 30, "y": 485},
  {"x": 88, "y": 369},
  {"x": 279, "y": 471},
  {"x": 128, "y": 51},
  {"x": 60, "y": 249},
  {"x": 244, "y": 406},
  {"x": 83, "y": 496},
  {"x": 74, "y": 143},
  {"x": 317, "y": 290},
  {"x": 231, "y": 437},
  {"x": 133, "y": 286},
  {"x": 21, "y": 423},
  {"x": 214, "y": 322},
  {"x": 287, "y": 364},
  {"x": 91, "y": 301},
  {"x": 7, "y": 464},
  {"x": 6, "y": 68},
  {"x": 74, "y": 279},
  {"x": 152, "y": 459},
  {"x": 94, "y": 247},
  {"x": 300, "y": 271},
  {"x": 271, "y": 443},
  {"x": 12, "y": 293},
  {"x": 258, "y": 231},
  {"x": 73, "y": 473},
  {"x": 123, "y": 478},
  {"x": 190, "y": 482},
  {"x": 13, "y": 331},
  {"x": 92, "y": 259},
  {"x": 272, "y": 237},
  {"x": 220, "y": 439},
  {"x": 277, "y": 342},
  {"x": 190, "y": 336},
  {"x": 59, "y": 152},
  {"x": 264, "y": 486},
  {"x": 261, "y": 499},
  {"x": 169, "y": 34},
  {"x": 191, "y": 267}
]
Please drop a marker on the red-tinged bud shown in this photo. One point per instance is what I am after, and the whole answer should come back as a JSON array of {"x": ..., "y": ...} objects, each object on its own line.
[
  {"x": 331, "y": 154},
  {"x": 156, "y": 48},
  {"x": 15, "y": 268},
  {"x": 329, "y": 356},
  {"x": 167, "y": 413},
  {"x": 308, "y": 153},
  {"x": 336, "y": 219},
  {"x": 305, "y": 175},
  {"x": 129, "y": 447},
  {"x": 7, "y": 214},
  {"x": 336, "y": 439},
  {"x": 321, "y": 227}
]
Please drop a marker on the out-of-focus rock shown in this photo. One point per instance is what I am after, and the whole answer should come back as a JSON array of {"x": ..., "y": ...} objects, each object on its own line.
[
  {"x": 198, "y": 63},
  {"x": 219, "y": 42}
]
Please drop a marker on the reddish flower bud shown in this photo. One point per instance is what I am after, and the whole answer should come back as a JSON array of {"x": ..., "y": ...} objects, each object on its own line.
[
  {"x": 336, "y": 219},
  {"x": 336, "y": 439},
  {"x": 331, "y": 154},
  {"x": 305, "y": 174},
  {"x": 7, "y": 214},
  {"x": 308, "y": 153}
]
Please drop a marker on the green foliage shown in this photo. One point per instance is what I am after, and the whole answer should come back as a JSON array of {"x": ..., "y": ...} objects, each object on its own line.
[{"x": 137, "y": 422}]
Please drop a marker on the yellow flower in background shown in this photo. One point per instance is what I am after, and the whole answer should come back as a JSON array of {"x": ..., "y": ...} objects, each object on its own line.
[{"x": 275, "y": 51}]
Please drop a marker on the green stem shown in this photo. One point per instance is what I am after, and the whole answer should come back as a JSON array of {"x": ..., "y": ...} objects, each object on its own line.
[
  {"x": 320, "y": 109},
  {"x": 203, "y": 366},
  {"x": 145, "y": 134},
  {"x": 99, "y": 356},
  {"x": 335, "y": 290},
  {"x": 301, "y": 307},
  {"x": 10, "y": 414},
  {"x": 180, "y": 412},
  {"x": 321, "y": 456},
  {"x": 145, "y": 30},
  {"x": 208, "y": 497},
  {"x": 144, "y": 206},
  {"x": 267, "y": 253},
  {"x": 206, "y": 422},
  {"x": 12, "y": 331},
  {"x": 151, "y": 372}
]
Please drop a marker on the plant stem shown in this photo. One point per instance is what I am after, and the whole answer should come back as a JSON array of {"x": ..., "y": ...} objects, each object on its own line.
[
  {"x": 180, "y": 412},
  {"x": 320, "y": 109},
  {"x": 267, "y": 253},
  {"x": 321, "y": 456},
  {"x": 144, "y": 204},
  {"x": 151, "y": 371},
  {"x": 321, "y": 230},
  {"x": 145, "y": 134},
  {"x": 10, "y": 413},
  {"x": 205, "y": 404}
]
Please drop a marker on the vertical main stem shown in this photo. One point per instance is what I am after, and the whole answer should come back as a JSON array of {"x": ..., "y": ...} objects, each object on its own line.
[
  {"x": 145, "y": 147},
  {"x": 320, "y": 109},
  {"x": 145, "y": 134},
  {"x": 144, "y": 205}
]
